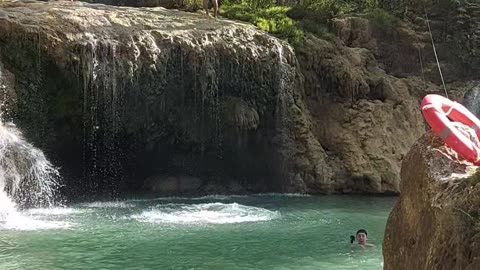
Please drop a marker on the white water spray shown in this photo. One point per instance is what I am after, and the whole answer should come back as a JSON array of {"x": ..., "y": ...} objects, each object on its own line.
[
  {"x": 26, "y": 176},
  {"x": 205, "y": 213}
]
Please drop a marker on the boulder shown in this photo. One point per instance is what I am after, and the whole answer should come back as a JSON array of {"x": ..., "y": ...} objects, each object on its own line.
[{"x": 435, "y": 223}]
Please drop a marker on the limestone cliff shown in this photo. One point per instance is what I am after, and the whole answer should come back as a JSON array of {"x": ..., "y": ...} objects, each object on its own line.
[
  {"x": 364, "y": 87},
  {"x": 364, "y": 118},
  {"x": 435, "y": 222},
  {"x": 138, "y": 94},
  {"x": 132, "y": 93}
]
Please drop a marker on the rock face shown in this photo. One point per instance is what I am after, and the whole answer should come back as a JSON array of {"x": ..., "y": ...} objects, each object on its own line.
[
  {"x": 455, "y": 28},
  {"x": 133, "y": 93},
  {"x": 471, "y": 99},
  {"x": 435, "y": 222},
  {"x": 364, "y": 114},
  {"x": 364, "y": 90},
  {"x": 149, "y": 93}
]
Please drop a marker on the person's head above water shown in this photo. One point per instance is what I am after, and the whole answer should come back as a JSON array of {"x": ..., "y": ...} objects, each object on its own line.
[{"x": 361, "y": 237}]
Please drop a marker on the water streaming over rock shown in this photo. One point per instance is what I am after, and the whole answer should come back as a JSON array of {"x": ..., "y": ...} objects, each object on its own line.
[
  {"x": 27, "y": 178},
  {"x": 101, "y": 156},
  {"x": 155, "y": 88},
  {"x": 26, "y": 175},
  {"x": 165, "y": 93}
]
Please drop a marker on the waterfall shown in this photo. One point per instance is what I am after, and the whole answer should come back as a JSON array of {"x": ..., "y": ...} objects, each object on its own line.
[
  {"x": 25, "y": 174},
  {"x": 101, "y": 104},
  {"x": 282, "y": 121},
  {"x": 282, "y": 84},
  {"x": 136, "y": 94},
  {"x": 27, "y": 178}
]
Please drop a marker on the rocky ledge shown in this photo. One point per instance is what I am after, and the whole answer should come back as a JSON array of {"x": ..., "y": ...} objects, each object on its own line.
[
  {"x": 116, "y": 95},
  {"x": 435, "y": 223}
]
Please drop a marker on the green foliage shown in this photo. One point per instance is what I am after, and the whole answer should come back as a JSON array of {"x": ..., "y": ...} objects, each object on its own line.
[
  {"x": 272, "y": 19},
  {"x": 192, "y": 5},
  {"x": 318, "y": 29},
  {"x": 325, "y": 10},
  {"x": 312, "y": 16},
  {"x": 259, "y": 4},
  {"x": 239, "y": 12}
]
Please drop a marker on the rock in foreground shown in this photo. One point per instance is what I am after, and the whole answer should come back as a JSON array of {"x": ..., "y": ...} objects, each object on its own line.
[{"x": 435, "y": 223}]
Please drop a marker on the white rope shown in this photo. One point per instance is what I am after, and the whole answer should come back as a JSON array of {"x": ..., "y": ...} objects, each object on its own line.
[
  {"x": 451, "y": 108},
  {"x": 470, "y": 135},
  {"x": 468, "y": 132},
  {"x": 435, "y": 52},
  {"x": 438, "y": 107}
]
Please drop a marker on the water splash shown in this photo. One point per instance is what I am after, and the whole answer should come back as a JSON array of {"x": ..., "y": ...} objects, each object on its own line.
[
  {"x": 205, "y": 213},
  {"x": 27, "y": 179},
  {"x": 114, "y": 204},
  {"x": 25, "y": 173}
]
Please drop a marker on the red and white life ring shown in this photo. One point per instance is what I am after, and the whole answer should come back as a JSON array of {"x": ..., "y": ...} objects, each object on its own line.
[{"x": 439, "y": 112}]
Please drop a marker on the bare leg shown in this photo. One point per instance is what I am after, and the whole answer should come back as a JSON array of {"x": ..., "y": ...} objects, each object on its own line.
[{"x": 215, "y": 8}]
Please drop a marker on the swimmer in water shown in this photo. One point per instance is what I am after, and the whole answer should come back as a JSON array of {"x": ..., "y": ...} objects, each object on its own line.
[{"x": 361, "y": 237}]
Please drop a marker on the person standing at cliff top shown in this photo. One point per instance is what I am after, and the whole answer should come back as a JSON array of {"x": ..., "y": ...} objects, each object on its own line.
[{"x": 214, "y": 3}]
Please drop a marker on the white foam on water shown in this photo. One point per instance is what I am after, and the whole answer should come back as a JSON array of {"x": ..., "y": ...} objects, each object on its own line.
[
  {"x": 230, "y": 197},
  {"x": 7, "y": 208},
  {"x": 11, "y": 219},
  {"x": 113, "y": 204},
  {"x": 206, "y": 213},
  {"x": 177, "y": 198},
  {"x": 54, "y": 211},
  {"x": 217, "y": 197},
  {"x": 26, "y": 223}
]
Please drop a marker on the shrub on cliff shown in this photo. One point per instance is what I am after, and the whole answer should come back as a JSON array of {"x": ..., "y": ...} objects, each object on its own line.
[
  {"x": 266, "y": 16},
  {"x": 314, "y": 16}
]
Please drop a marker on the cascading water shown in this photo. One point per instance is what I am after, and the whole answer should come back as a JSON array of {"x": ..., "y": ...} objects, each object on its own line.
[
  {"x": 101, "y": 116},
  {"x": 27, "y": 178},
  {"x": 281, "y": 119}
]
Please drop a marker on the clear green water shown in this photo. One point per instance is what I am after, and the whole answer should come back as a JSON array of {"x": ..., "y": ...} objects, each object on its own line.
[{"x": 249, "y": 232}]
